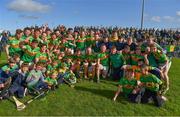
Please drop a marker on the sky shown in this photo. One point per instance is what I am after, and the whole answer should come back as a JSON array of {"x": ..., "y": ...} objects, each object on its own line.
[{"x": 124, "y": 13}]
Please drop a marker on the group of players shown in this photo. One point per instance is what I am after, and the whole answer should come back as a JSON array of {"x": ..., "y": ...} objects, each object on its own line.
[{"x": 39, "y": 58}]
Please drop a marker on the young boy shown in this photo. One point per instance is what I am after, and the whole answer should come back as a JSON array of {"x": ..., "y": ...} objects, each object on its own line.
[
  {"x": 51, "y": 80},
  {"x": 66, "y": 75},
  {"x": 52, "y": 67},
  {"x": 163, "y": 64},
  {"x": 54, "y": 41},
  {"x": 126, "y": 54},
  {"x": 6, "y": 71},
  {"x": 116, "y": 61},
  {"x": 80, "y": 41},
  {"x": 137, "y": 56},
  {"x": 42, "y": 56},
  {"x": 128, "y": 86},
  {"x": 120, "y": 44},
  {"x": 13, "y": 44},
  {"x": 152, "y": 87},
  {"x": 35, "y": 76},
  {"x": 77, "y": 62},
  {"x": 19, "y": 83},
  {"x": 17, "y": 59},
  {"x": 30, "y": 51}
]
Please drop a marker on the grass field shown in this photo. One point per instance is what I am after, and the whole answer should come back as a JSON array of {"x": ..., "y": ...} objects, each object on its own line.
[{"x": 89, "y": 98}]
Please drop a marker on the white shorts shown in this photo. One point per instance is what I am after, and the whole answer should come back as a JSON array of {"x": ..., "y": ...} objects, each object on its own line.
[{"x": 104, "y": 68}]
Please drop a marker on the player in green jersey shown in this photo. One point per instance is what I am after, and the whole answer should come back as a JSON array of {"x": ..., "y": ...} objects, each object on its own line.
[
  {"x": 13, "y": 45},
  {"x": 102, "y": 63},
  {"x": 126, "y": 54},
  {"x": 163, "y": 63},
  {"x": 137, "y": 56},
  {"x": 30, "y": 51},
  {"x": 80, "y": 41},
  {"x": 42, "y": 56},
  {"x": 129, "y": 87},
  {"x": 89, "y": 64},
  {"x": 117, "y": 61},
  {"x": 152, "y": 86}
]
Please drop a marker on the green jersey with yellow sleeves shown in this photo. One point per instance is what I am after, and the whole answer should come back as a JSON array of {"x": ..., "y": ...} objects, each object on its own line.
[
  {"x": 128, "y": 85},
  {"x": 30, "y": 53},
  {"x": 14, "y": 46},
  {"x": 151, "y": 82},
  {"x": 43, "y": 57},
  {"x": 51, "y": 81}
]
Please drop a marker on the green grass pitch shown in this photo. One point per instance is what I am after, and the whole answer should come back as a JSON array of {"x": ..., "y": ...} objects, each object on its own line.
[{"x": 88, "y": 98}]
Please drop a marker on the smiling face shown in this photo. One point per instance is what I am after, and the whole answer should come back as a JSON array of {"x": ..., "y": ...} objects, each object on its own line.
[
  {"x": 88, "y": 50},
  {"x": 129, "y": 41},
  {"x": 12, "y": 65},
  {"x": 113, "y": 50},
  {"x": 27, "y": 32},
  {"x": 153, "y": 49},
  {"x": 138, "y": 51},
  {"x": 37, "y": 34},
  {"x": 53, "y": 36},
  {"x": 103, "y": 48},
  {"x": 19, "y": 35},
  {"x": 144, "y": 70},
  {"x": 25, "y": 69},
  {"x": 148, "y": 50},
  {"x": 54, "y": 75},
  {"x": 130, "y": 75},
  {"x": 150, "y": 40},
  {"x": 127, "y": 49},
  {"x": 34, "y": 44}
]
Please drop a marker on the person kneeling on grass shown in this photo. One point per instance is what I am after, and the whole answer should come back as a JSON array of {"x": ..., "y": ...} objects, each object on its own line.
[
  {"x": 128, "y": 86},
  {"x": 152, "y": 86},
  {"x": 66, "y": 76},
  {"x": 51, "y": 80}
]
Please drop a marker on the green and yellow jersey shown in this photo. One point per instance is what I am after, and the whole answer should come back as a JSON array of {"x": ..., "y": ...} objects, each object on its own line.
[
  {"x": 14, "y": 46},
  {"x": 104, "y": 58},
  {"x": 127, "y": 85},
  {"x": 151, "y": 82},
  {"x": 30, "y": 53}
]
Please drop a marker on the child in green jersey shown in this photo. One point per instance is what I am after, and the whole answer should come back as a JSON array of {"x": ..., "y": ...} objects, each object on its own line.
[
  {"x": 30, "y": 52},
  {"x": 102, "y": 63},
  {"x": 128, "y": 86},
  {"x": 42, "y": 56},
  {"x": 13, "y": 44},
  {"x": 6, "y": 71},
  {"x": 117, "y": 61},
  {"x": 89, "y": 64},
  {"x": 52, "y": 67},
  {"x": 152, "y": 86},
  {"x": 126, "y": 54},
  {"x": 163, "y": 64},
  {"x": 66, "y": 75},
  {"x": 51, "y": 80},
  {"x": 137, "y": 56}
]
